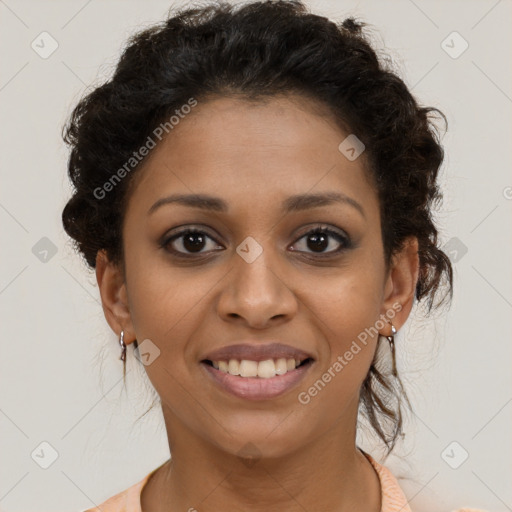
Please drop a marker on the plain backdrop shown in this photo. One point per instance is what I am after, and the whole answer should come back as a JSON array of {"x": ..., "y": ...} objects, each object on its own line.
[{"x": 62, "y": 401}]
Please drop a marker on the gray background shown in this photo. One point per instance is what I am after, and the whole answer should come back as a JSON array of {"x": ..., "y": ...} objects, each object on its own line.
[{"x": 61, "y": 379}]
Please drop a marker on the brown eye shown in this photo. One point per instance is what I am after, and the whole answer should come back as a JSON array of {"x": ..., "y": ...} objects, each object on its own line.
[
  {"x": 320, "y": 239},
  {"x": 188, "y": 242},
  {"x": 191, "y": 242}
]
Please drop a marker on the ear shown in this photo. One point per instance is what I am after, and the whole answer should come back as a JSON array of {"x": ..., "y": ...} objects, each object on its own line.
[
  {"x": 114, "y": 297},
  {"x": 400, "y": 286}
]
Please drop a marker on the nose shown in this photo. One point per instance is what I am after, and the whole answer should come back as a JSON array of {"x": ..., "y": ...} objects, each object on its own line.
[{"x": 257, "y": 294}]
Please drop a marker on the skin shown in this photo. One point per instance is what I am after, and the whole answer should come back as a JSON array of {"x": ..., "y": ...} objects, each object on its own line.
[{"x": 254, "y": 156}]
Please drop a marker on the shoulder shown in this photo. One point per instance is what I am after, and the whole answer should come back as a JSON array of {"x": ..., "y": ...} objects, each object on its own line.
[
  {"x": 393, "y": 498},
  {"x": 117, "y": 503},
  {"x": 392, "y": 495},
  {"x": 124, "y": 501}
]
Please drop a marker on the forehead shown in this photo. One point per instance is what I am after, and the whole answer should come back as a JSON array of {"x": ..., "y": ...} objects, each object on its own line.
[{"x": 257, "y": 151}]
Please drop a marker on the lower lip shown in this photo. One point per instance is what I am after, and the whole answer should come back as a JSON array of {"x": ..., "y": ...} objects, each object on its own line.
[{"x": 256, "y": 388}]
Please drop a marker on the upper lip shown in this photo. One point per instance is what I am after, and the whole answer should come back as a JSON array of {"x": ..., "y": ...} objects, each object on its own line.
[{"x": 259, "y": 352}]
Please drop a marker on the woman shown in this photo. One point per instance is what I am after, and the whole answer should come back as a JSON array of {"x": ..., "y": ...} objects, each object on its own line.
[{"x": 254, "y": 189}]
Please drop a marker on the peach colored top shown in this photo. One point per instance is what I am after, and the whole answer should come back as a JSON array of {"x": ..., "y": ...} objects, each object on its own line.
[{"x": 392, "y": 496}]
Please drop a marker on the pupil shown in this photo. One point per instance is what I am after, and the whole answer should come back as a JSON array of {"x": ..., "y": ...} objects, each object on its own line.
[
  {"x": 190, "y": 244},
  {"x": 318, "y": 238}
]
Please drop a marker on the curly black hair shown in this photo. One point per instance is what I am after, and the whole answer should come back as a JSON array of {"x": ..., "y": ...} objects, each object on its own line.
[{"x": 257, "y": 50}]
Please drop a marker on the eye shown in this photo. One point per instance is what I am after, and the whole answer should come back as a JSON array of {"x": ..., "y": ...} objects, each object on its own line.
[
  {"x": 191, "y": 241},
  {"x": 188, "y": 242},
  {"x": 319, "y": 239}
]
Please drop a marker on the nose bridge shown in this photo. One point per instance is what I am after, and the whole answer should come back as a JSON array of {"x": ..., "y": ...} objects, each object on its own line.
[
  {"x": 256, "y": 265},
  {"x": 256, "y": 291}
]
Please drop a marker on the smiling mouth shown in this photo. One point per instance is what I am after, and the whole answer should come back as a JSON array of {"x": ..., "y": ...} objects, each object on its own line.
[
  {"x": 257, "y": 380},
  {"x": 268, "y": 369}
]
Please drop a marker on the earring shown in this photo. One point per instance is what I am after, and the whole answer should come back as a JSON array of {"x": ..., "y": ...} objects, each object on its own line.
[
  {"x": 123, "y": 346},
  {"x": 391, "y": 340}
]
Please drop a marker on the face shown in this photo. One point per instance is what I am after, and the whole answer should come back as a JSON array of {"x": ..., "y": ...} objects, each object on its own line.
[{"x": 248, "y": 268}]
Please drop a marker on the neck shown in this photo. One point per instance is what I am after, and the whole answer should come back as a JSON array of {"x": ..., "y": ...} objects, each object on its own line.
[{"x": 330, "y": 473}]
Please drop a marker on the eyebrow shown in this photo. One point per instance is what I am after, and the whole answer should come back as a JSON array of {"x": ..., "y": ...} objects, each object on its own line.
[{"x": 295, "y": 203}]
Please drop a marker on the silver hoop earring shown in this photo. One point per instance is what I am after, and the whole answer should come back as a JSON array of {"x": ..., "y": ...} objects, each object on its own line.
[{"x": 123, "y": 347}]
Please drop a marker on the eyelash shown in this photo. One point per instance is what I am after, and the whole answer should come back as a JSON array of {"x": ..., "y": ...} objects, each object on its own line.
[{"x": 342, "y": 239}]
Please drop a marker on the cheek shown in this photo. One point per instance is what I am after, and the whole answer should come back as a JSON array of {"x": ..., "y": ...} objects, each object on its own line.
[
  {"x": 162, "y": 298},
  {"x": 347, "y": 355},
  {"x": 349, "y": 308},
  {"x": 351, "y": 314},
  {"x": 351, "y": 303},
  {"x": 166, "y": 307}
]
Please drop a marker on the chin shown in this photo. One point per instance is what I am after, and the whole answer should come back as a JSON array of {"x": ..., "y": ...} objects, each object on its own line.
[{"x": 261, "y": 438}]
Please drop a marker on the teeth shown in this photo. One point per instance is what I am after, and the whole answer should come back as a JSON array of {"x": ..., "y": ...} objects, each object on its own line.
[
  {"x": 282, "y": 366},
  {"x": 266, "y": 369},
  {"x": 247, "y": 368},
  {"x": 262, "y": 369},
  {"x": 234, "y": 367}
]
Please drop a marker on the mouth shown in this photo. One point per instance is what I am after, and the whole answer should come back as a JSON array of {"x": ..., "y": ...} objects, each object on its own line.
[{"x": 258, "y": 372}]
